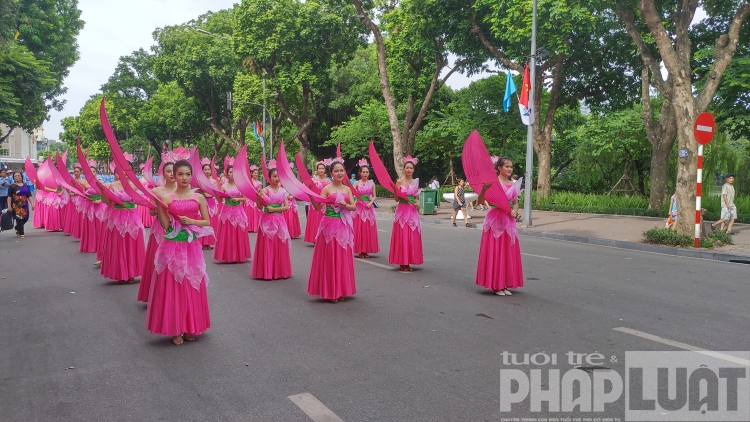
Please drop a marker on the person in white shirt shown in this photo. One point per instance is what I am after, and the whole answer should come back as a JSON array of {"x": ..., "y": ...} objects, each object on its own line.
[
  {"x": 434, "y": 184},
  {"x": 728, "y": 209}
]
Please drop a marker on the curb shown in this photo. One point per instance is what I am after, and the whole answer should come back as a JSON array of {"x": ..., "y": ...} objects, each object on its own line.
[
  {"x": 645, "y": 247},
  {"x": 619, "y": 244}
]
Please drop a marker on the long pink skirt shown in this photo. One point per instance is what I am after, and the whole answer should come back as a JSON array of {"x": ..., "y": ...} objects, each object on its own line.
[
  {"x": 272, "y": 258},
  {"x": 40, "y": 214},
  {"x": 123, "y": 256},
  {"x": 292, "y": 223},
  {"x": 253, "y": 216},
  {"x": 406, "y": 246},
  {"x": 54, "y": 219},
  {"x": 211, "y": 240},
  {"x": 89, "y": 230},
  {"x": 332, "y": 271},
  {"x": 176, "y": 308},
  {"x": 148, "y": 269},
  {"x": 233, "y": 243},
  {"x": 499, "y": 265},
  {"x": 146, "y": 218},
  {"x": 66, "y": 215},
  {"x": 311, "y": 227},
  {"x": 102, "y": 234},
  {"x": 365, "y": 236},
  {"x": 75, "y": 230}
]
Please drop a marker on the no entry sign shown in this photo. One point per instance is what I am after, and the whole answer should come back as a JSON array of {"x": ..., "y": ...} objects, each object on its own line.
[{"x": 704, "y": 128}]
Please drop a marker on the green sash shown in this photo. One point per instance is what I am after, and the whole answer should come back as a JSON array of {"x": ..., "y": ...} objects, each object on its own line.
[
  {"x": 366, "y": 198},
  {"x": 95, "y": 197},
  {"x": 231, "y": 202},
  {"x": 125, "y": 205},
  {"x": 411, "y": 198},
  {"x": 265, "y": 209},
  {"x": 183, "y": 236},
  {"x": 331, "y": 213}
]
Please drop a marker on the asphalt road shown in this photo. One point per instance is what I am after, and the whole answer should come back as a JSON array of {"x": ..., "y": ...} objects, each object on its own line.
[{"x": 424, "y": 346}]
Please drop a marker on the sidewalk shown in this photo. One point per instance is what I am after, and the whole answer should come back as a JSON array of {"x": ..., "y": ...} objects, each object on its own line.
[{"x": 606, "y": 230}]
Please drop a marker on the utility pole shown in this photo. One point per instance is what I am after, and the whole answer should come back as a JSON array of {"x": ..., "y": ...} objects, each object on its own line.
[{"x": 527, "y": 197}]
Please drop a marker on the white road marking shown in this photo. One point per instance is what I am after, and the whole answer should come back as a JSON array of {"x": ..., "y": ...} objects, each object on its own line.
[
  {"x": 316, "y": 410},
  {"x": 384, "y": 231},
  {"x": 377, "y": 264},
  {"x": 683, "y": 346},
  {"x": 702, "y": 128},
  {"x": 539, "y": 256}
]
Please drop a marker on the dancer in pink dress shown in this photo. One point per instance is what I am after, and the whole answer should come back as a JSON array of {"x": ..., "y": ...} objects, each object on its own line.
[
  {"x": 40, "y": 211},
  {"x": 406, "y": 240},
  {"x": 500, "y": 267},
  {"x": 332, "y": 270},
  {"x": 272, "y": 246},
  {"x": 157, "y": 232},
  {"x": 253, "y": 213},
  {"x": 147, "y": 218},
  {"x": 213, "y": 207},
  {"x": 55, "y": 204},
  {"x": 124, "y": 251},
  {"x": 233, "y": 244},
  {"x": 178, "y": 303},
  {"x": 78, "y": 205},
  {"x": 89, "y": 220},
  {"x": 365, "y": 225},
  {"x": 314, "y": 215},
  {"x": 292, "y": 218}
]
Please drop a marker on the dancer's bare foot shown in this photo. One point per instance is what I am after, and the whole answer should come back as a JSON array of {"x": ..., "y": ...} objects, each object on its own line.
[
  {"x": 177, "y": 340},
  {"x": 367, "y": 255},
  {"x": 333, "y": 300},
  {"x": 120, "y": 281},
  {"x": 342, "y": 298},
  {"x": 403, "y": 268},
  {"x": 362, "y": 255},
  {"x": 409, "y": 268},
  {"x": 189, "y": 337},
  {"x": 98, "y": 263},
  {"x": 131, "y": 280}
]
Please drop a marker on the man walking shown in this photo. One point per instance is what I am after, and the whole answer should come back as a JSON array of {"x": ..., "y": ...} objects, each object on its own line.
[
  {"x": 5, "y": 182},
  {"x": 728, "y": 209}
]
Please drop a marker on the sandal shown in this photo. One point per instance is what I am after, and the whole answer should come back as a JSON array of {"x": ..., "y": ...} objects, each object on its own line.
[
  {"x": 467, "y": 225},
  {"x": 454, "y": 224},
  {"x": 22, "y": 236}
]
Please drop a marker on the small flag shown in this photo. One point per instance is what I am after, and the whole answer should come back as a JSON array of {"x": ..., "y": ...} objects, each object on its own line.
[
  {"x": 510, "y": 89},
  {"x": 527, "y": 114}
]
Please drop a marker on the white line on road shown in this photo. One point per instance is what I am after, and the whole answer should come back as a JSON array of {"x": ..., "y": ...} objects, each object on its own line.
[
  {"x": 316, "y": 410},
  {"x": 683, "y": 346},
  {"x": 539, "y": 256},
  {"x": 377, "y": 264}
]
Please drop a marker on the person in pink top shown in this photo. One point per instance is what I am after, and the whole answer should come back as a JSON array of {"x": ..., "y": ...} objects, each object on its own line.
[
  {"x": 500, "y": 267},
  {"x": 233, "y": 243},
  {"x": 292, "y": 218},
  {"x": 406, "y": 240},
  {"x": 213, "y": 206},
  {"x": 90, "y": 222},
  {"x": 332, "y": 270},
  {"x": 156, "y": 235},
  {"x": 272, "y": 246},
  {"x": 365, "y": 225},
  {"x": 253, "y": 213},
  {"x": 178, "y": 302},
  {"x": 124, "y": 250},
  {"x": 313, "y": 217}
]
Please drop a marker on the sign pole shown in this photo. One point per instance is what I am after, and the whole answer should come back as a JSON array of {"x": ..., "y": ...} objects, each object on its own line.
[
  {"x": 527, "y": 197},
  {"x": 698, "y": 191}
]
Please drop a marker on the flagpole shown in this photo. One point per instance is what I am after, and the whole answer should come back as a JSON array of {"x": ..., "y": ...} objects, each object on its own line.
[{"x": 529, "y": 182}]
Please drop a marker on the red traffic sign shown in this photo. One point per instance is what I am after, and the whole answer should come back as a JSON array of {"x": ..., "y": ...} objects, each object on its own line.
[{"x": 704, "y": 128}]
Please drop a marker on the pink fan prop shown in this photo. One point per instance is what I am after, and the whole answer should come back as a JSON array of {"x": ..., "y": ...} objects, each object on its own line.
[
  {"x": 347, "y": 182},
  {"x": 479, "y": 169},
  {"x": 148, "y": 173},
  {"x": 304, "y": 176},
  {"x": 61, "y": 174},
  {"x": 45, "y": 174},
  {"x": 213, "y": 170},
  {"x": 295, "y": 188},
  {"x": 86, "y": 169},
  {"x": 382, "y": 174},
  {"x": 264, "y": 167},
  {"x": 31, "y": 171},
  {"x": 242, "y": 178},
  {"x": 201, "y": 181}
]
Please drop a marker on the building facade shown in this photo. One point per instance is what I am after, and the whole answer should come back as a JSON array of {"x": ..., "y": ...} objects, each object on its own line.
[{"x": 18, "y": 145}]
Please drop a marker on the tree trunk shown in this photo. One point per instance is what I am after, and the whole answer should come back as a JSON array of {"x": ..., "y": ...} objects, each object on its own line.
[
  {"x": 543, "y": 148},
  {"x": 303, "y": 153},
  {"x": 687, "y": 167},
  {"x": 658, "y": 175}
]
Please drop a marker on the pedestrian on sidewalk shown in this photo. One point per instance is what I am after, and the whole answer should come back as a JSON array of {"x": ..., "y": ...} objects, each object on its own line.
[
  {"x": 728, "y": 209},
  {"x": 672, "y": 220},
  {"x": 459, "y": 202},
  {"x": 499, "y": 267},
  {"x": 5, "y": 182}
]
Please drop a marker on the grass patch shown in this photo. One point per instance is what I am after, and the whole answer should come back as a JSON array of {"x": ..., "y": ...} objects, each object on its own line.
[{"x": 668, "y": 237}]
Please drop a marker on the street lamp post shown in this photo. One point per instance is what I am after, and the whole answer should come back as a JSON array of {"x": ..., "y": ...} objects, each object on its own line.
[{"x": 527, "y": 197}]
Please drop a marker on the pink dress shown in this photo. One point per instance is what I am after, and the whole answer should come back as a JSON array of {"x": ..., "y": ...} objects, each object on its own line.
[
  {"x": 272, "y": 246},
  {"x": 154, "y": 240},
  {"x": 213, "y": 216},
  {"x": 77, "y": 208},
  {"x": 233, "y": 243},
  {"x": 314, "y": 217},
  {"x": 292, "y": 219},
  {"x": 332, "y": 270},
  {"x": 500, "y": 265},
  {"x": 40, "y": 208},
  {"x": 89, "y": 222},
  {"x": 178, "y": 303},
  {"x": 252, "y": 211},
  {"x": 146, "y": 218},
  {"x": 55, "y": 212},
  {"x": 406, "y": 240},
  {"x": 124, "y": 251},
  {"x": 365, "y": 226},
  {"x": 71, "y": 225}
]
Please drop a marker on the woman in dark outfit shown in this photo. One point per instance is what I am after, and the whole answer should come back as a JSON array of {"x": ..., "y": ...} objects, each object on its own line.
[
  {"x": 19, "y": 198},
  {"x": 459, "y": 202}
]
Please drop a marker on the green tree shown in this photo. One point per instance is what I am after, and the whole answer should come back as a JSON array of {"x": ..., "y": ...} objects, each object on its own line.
[{"x": 23, "y": 81}]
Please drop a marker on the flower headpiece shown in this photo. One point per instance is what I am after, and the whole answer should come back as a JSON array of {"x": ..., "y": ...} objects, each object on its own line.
[
  {"x": 271, "y": 164},
  {"x": 205, "y": 161},
  {"x": 363, "y": 162},
  {"x": 253, "y": 167},
  {"x": 230, "y": 161},
  {"x": 327, "y": 162},
  {"x": 410, "y": 159},
  {"x": 177, "y": 154},
  {"x": 337, "y": 160},
  {"x": 495, "y": 158},
  {"x": 142, "y": 166},
  {"x": 91, "y": 163}
]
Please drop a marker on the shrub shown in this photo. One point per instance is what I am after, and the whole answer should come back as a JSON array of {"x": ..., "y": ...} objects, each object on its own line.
[
  {"x": 722, "y": 237},
  {"x": 667, "y": 237}
]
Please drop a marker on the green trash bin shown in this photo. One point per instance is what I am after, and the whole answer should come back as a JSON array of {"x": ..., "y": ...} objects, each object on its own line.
[{"x": 427, "y": 199}]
